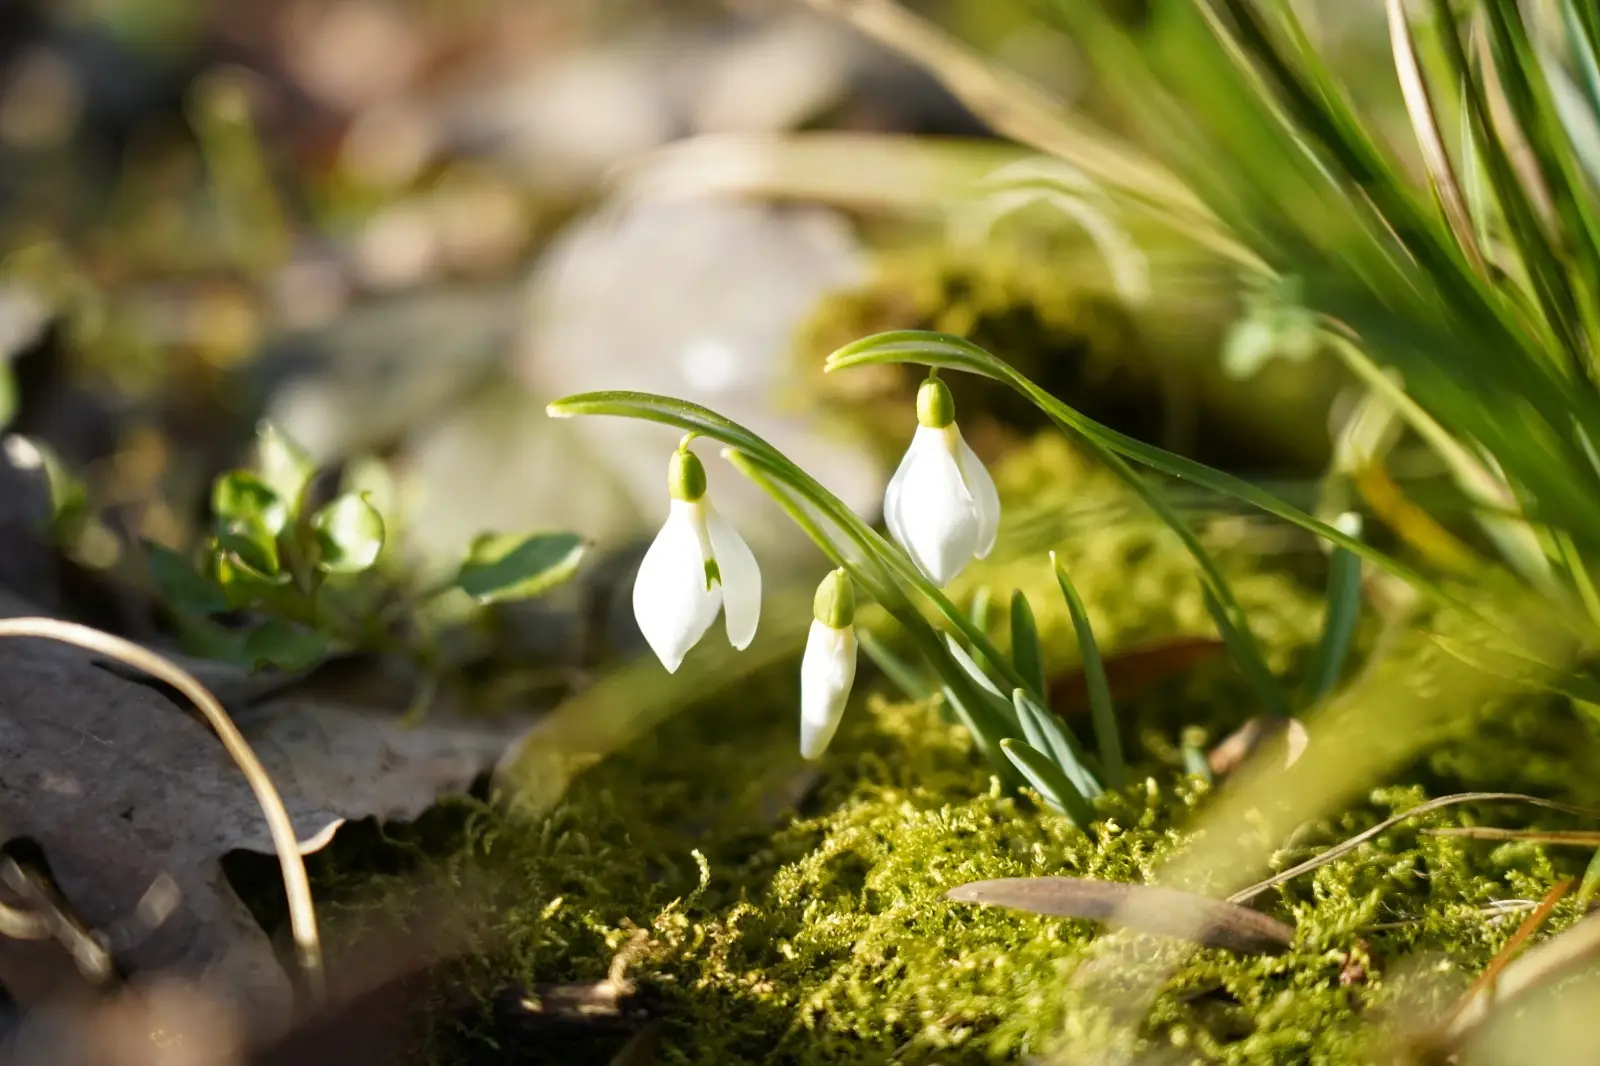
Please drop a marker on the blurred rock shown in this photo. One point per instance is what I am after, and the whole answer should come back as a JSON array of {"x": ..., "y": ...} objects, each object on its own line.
[
  {"x": 373, "y": 374},
  {"x": 696, "y": 300},
  {"x": 27, "y": 563}
]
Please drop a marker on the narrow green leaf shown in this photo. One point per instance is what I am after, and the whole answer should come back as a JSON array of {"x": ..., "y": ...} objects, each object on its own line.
[
  {"x": 1528, "y": 234},
  {"x": 1268, "y": 691},
  {"x": 288, "y": 647},
  {"x": 1102, "y": 712},
  {"x": 987, "y": 690},
  {"x": 1583, "y": 31},
  {"x": 1050, "y": 735},
  {"x": 911, "y": 682},
  {"x": 1338, "y": 625},
  {"x": 1425, "y": 124},
  {"x": 986, "y": 727},
  {"x": 1578, "y": 116},
  {"x": 978, "y": 612},
  {"x": 1051, "y": 784},
  {"x": 507, "y": 566},
  {"x": 8, "y": 394},
  {"x": 1590, "y": 882},
  {"x": 242, "y": 496},
  {"x": 284, "y": 466},
  {"x": 1025, "y": 652},
  {"x": 982, "y": 600},
  {"x": 349, "y": 534},
  {"x": 180, "y": 585}
]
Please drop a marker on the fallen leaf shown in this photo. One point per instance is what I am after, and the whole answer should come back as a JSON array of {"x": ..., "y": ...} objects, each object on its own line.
[
  {"x": 1134, "y": 671},
  {"x": 118, "y": 785},
  {"x": 1164, "y": 911}
]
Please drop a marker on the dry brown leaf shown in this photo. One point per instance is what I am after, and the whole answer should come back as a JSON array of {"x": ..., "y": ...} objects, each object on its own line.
[
  {"x": 1146, "y": 908},
  {"x": 1134, "y": 670},
  {"x": 118, "y": 786}
]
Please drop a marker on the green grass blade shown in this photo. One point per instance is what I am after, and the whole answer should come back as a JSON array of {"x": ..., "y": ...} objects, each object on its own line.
[
  {"x": 1107, "y": 735},
  {"x": 1338, "y": 625},
  {"x": 982, "y": 600},
  {"x": 1267, "y": 689},
  {"x": 1026, "y": 655},
  {"x": 986, "y": 690},
  {"x": 1529, "y": 237},
  {"x": 1579, "y": 117},
  {"x": 987, "y": 730},
  {"x": 1591, "y": 882},
  {"x": 1528, "y": 93},
  {"x": 1582, "y": 20},
  {"x": 1051, "y": 736},
  {"x": 1425, "y": 124},
  {"x": 1049, "y": 781}
]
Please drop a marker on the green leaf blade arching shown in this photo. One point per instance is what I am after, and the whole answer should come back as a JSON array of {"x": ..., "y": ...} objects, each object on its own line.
[
  {"x": 1026, "y": 655},
  {"x": 1101, "y": 710}
]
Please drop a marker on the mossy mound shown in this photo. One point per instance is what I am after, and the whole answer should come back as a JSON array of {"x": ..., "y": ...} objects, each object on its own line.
[{"x": 767, "y": 911}]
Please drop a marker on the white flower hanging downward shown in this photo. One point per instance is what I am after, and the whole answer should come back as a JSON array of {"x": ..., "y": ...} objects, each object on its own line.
[
  {"x": 697, "y": 564},
  {"x": 829, "y": 667},
  {"x": 941, "y": 505}
]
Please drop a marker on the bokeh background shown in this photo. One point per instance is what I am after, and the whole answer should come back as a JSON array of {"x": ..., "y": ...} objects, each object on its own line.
[{"x": 399, "y": 228}]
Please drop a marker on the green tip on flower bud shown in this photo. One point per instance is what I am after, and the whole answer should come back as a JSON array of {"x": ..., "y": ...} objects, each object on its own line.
[
  {"x": 936, "y": 408},
  {"x": 835, "y": 605},
  {"x": 686, "y": 477}
]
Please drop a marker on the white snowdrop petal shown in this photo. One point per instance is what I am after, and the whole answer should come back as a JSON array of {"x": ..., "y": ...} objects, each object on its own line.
[
  {"x": 985, "y": 497},
  {"x": 937, "y": 515},
  {"x": 741, "y": 579},
  {"x": 892, "y": 496},
  {"x": 826, "y": 674},
  {"x": 670, "y": 599}
]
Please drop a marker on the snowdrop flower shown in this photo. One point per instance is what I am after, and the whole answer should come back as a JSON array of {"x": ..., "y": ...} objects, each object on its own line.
[
  {"x": 941, "y": 505},
  {"x": 697, "y": 564},
  {"x": 829, "y": 667}
]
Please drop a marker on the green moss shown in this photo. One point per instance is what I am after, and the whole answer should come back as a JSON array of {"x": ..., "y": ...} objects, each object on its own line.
[{"x": 759, "y": 932}]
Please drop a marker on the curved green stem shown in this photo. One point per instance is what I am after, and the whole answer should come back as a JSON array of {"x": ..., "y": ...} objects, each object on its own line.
[
  {"x": 943, "y": 350},
  {"x": 989, "y": 730},
  {"x": 707, "y": 423},
  {"x": 957, "y": 353}
]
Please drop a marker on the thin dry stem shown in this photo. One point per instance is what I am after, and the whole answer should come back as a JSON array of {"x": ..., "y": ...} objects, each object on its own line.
[
  {"x": 302, "y": 913},
  {"x": 1388, "y": 823},
  {"x": 1470, "y": 1010},
  {"x": 1575, "y": 837},
  {"x": 1414, "y": 90}
]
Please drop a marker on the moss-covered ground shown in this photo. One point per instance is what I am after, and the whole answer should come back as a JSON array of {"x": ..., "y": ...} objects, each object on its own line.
[{"x": 768, "y": 914}]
